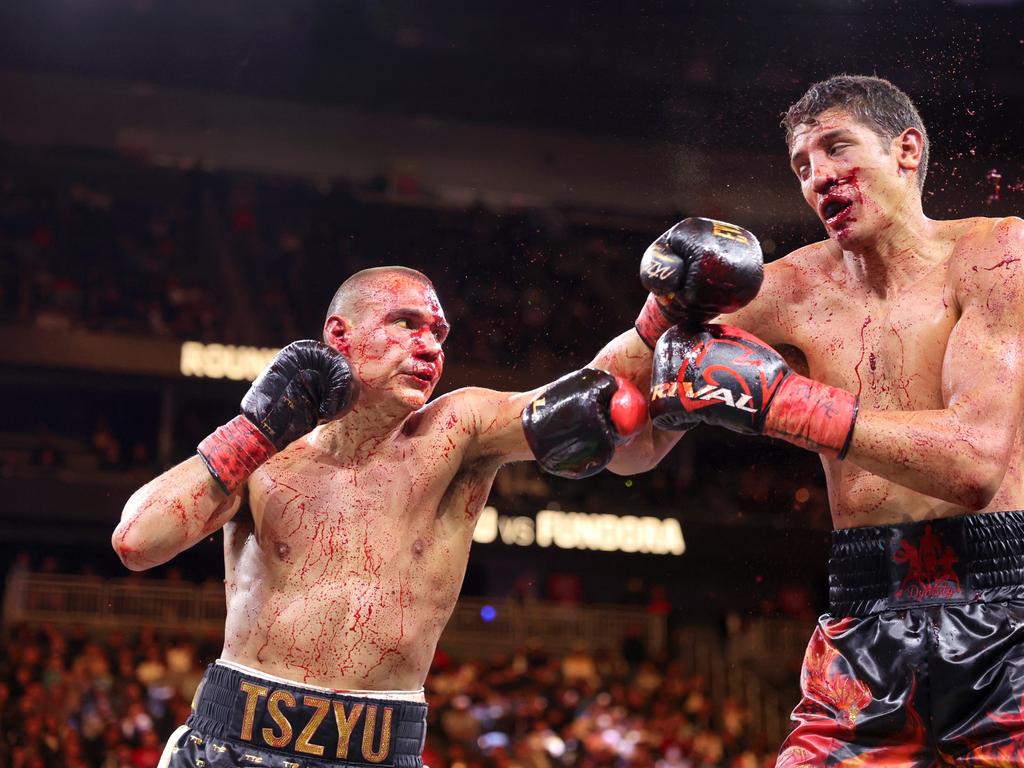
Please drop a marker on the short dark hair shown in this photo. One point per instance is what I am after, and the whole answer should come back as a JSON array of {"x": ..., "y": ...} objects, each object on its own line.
[
  {"x": 877, "y": 103},
  {"x": 350, "y": 291}
]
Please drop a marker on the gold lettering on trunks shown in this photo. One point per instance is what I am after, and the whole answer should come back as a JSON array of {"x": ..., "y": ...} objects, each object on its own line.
[
  {"x": 303, "y": 744},
  {"x": 345, "y": 725},
  {"x": 274, "y": 710},
  {"x": 252, "y": 694},
  {"x": 385, "y": 734},
  {"x": 729, "y": 231}
]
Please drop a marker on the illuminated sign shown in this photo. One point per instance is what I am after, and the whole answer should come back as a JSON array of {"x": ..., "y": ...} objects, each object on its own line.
[
  {"x": 224, "y": 361},
  {"x": 577, "y": 530}
]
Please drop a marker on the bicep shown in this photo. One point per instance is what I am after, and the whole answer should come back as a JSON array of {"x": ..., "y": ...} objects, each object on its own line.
[
  {"x": 983, "y": 371},
  {"x": 983, "y": 367},
  {"x": 495, "y": 420}
]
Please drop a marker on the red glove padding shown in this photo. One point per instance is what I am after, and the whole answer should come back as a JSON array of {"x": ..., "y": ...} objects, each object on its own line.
[
  {"x": 574, "y": 425},
  {"x": 698, "y": 269},
  {"x": 725, "y": 376}
]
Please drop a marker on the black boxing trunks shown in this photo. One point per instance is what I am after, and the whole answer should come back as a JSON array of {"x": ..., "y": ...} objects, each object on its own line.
[
  {"x": 240, "y": 717},
  {"x": 920, "y": 660}
]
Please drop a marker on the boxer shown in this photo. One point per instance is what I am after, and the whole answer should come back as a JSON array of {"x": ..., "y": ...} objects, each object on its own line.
[
  {"x": 895, "y": 350},
  {"x": 345, "y": 564}
]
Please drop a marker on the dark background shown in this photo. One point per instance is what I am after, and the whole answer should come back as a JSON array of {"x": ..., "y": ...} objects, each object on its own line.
[{"x": 713, "y": 77}]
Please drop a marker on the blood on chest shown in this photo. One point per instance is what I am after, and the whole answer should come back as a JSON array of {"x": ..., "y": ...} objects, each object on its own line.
[
  {"x": 318, "y": 515},
  {"x": 891, "y": 355}
]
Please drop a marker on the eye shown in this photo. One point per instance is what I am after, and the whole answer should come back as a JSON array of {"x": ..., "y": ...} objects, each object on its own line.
[
  {"x": 803, "y": 171},
  {"x": 403, "y": 322},
  {"x": 835, "y": 149}
]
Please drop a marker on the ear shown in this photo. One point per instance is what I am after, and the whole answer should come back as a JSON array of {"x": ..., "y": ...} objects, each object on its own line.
[
  {"x": 338, "y": 334},
  {"x": 909, "y": 147}
]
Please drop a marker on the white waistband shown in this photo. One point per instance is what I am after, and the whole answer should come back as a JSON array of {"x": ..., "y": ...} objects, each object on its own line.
[{"x": 414, "y": 696}]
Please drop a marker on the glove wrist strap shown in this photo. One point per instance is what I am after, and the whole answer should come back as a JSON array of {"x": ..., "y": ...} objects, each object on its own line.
[
  {"x": 813, "y": 415},
  {"x": 234, "y": 451},
  {"x": 653, "y": 321}
]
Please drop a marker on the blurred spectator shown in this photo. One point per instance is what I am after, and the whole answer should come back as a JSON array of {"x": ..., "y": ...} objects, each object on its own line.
[{"x": 69, "y": 701}]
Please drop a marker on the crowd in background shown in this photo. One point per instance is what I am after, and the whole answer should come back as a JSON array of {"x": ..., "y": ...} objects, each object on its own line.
[
  {"x": 254, "y": 260},
  {"x": 110, "y": 245},
  {"x": 69, "y": 699}
]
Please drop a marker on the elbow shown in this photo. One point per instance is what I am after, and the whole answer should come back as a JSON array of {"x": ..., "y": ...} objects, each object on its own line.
[
  {"x": 128, "y": 549},
  {"x": 980, "y": 485},
  {"x": 132, "y": 544}
]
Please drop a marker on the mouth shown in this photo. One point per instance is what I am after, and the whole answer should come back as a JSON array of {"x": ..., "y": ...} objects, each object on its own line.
[
  {"x": 422, "y": 376},
  {"x": 834, "y": 209}
]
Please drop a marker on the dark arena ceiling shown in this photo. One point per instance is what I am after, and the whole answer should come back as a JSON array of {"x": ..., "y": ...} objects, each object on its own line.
[{"x": 705, "y": 73}]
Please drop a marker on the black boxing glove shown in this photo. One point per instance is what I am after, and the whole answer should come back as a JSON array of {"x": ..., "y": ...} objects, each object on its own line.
[
  {"x": 306, "y": 382},
  {"x": 663, "y": 405},
  {"x": 698, "y": 269},
  {"x": 727, "y": 377},
  {"x": 574, "y": 425}
]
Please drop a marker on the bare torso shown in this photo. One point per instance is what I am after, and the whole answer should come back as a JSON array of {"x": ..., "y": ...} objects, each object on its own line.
[
  {"x": 344, "y": 566},
  {"x": 346, "y": 571},
  {"x": 888, "y": 347}
]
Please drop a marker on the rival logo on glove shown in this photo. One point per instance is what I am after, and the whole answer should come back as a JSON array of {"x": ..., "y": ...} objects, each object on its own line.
[
  {"x": 707, "y": 393},
  {"x": 736, "y": 360}
]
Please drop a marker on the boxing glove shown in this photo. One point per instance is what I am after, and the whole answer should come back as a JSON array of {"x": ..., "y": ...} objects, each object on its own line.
[
  {"x": 698, "y": 269},
  {"x": 727, "y": 377},
  {"x": 306, "y": 382},
  {"x": 574, "y": 425}
]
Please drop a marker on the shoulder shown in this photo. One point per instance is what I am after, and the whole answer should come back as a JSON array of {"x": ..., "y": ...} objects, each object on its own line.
[
  {"x": 987, "y": 246},
  {"x": 461, "y": 410},
  {"x": 801, "y": 273},
  {"x": 807, "y": 264},
  {"x": 987, "y": 262}
]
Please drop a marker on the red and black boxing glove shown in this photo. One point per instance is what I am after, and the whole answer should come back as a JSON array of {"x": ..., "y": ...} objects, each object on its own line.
[
  {"x": 574, "y": 426},
  {"x": 727, "y": 377},
  {"x": 306, "y": 382},
  {"x": 697, "y": 270}
]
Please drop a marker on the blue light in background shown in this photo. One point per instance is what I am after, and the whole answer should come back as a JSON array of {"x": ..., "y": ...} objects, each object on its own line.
[{"x": 487, "y": 613}]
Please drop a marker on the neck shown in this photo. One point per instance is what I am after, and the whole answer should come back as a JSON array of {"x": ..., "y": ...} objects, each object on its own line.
[
  {"x": 898, "y": 254},
  {"x": 361, "y": 431}
]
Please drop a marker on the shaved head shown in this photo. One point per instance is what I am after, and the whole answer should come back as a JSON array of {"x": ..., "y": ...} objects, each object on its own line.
[{"x": 356, "y": 290}]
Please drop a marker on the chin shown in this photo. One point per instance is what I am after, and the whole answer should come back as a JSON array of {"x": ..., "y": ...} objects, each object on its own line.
[
  {"x": 413, "y": 398},
  {"x": 847, "y": 237}
]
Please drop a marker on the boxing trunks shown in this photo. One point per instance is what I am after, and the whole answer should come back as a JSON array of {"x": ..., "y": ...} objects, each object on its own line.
[
  {"x": 920, "y": 660},
  {"x": 240, "y": 717}
]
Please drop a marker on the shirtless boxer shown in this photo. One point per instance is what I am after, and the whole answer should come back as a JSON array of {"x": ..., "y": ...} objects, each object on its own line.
[
  {"x": 344, "y": 566},
  {"x": 901, "y": 362}
]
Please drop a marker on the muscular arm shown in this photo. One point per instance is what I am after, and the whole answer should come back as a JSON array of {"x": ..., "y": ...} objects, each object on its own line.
[
  {"x": 960, "y": 453},
  {"x": 306, "y": 381},
  {"x": 171, "y": 513},
  {"x": 697, "y": 267},
  {"x": 499, "y": 431}
]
